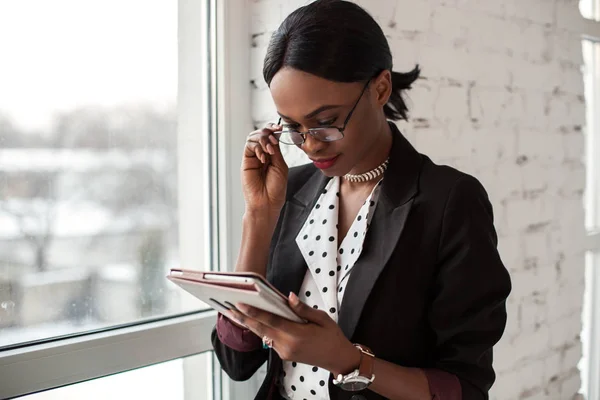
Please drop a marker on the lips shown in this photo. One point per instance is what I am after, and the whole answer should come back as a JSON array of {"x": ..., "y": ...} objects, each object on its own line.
[{"x": 325, "y": 163}]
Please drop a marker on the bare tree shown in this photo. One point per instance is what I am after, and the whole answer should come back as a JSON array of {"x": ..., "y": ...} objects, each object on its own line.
[{"x": 33, "y": 197}]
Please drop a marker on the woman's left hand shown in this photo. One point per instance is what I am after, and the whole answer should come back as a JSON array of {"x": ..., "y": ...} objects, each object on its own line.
[{"x": 320, "y": 342}]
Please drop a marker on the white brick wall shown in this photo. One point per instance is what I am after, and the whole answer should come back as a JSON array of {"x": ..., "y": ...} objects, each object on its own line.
[{"x": 501, "y": 97}]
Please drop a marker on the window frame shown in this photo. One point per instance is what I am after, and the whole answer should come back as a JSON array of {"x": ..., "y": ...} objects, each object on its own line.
[
  {"x": 54, "y": 363},
  {"x": 591, "y": 363}
]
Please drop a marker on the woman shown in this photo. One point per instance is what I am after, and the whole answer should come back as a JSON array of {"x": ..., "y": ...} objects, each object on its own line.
[{"x": 390, "y": 258}]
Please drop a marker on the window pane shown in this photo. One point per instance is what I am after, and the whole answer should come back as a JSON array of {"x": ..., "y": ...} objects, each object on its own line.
[
  {"x": 181, "y": 379},
  {"x": 591, "y": 53},
  {"x": 590, "y": 335},
  {"x": 88, "y": 178},
  {"x": 590, "y": 9}
]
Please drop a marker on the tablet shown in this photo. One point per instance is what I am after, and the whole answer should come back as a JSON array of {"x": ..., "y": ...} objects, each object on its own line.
[{"x": 222, "y": 290}]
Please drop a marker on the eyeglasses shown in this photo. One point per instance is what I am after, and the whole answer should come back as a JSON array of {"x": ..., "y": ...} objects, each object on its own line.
[{"x": 293, "y": 136}]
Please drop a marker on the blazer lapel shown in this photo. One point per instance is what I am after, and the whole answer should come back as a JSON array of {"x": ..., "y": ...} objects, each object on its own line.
[
  {"x": 400, "y": 185},
  {"x": 288, "y": 262}
]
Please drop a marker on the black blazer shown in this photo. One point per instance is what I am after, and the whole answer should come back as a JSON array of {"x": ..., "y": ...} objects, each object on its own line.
[{"x": 429, "y": 288}]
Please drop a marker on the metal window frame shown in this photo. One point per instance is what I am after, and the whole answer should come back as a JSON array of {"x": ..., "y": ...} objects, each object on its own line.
[
  {"x": 56, "y": 363},
  {"x": 234, "y": 122},
  {"x": 590, "y": 31}
]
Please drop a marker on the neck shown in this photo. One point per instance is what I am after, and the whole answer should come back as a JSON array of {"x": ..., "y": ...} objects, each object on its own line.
[{"x": 377, "y": 154}]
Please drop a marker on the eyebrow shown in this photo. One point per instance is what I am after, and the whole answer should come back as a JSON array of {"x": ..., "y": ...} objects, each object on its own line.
[{"x": 313, "y": 113}]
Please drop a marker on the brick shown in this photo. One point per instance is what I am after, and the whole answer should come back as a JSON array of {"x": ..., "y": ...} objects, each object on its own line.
[
  {"x": 266, "y": 15},
  {"x": 484, "y": 37},
  {"x": 405, "y": 53},
  {"x": 532, "y": 280},
  {"x": 530, "y": 10},
  {"x": 504, "y": 181},
  {"x": 536, "y": 177},
  {"x": 412, "y": 15},
  {"x": 568, "y": 16},
  {"x": 574, "y": 145},
  {"x": 451, "y": 103},
  {"x": 534, "y": 337},
  {"x": 438, "y": 143},
  {"x": 536, "y": 110},
  {"x": 422, "y": 98},
  {"x": 561, "y": 113},
  {"x": 527, "y": 75},
  {"x": 528, "y": 145},
  {"x": 529, "y": 213},
  {"x": 552, "y": 366},
  {"x": 488, "y": 105},
  {"x": 535, "y": 43},
  {"x": 536, "y": 244},
  {"x": 257, "y": 56},
  {"x": 571, "y": 356},
  {"x": 570, "y": 386},
  {"x": 380, "y": 10},
  {"x": 510, "y": 249},
  {"x": 572, "y": 80},
  {"x": 564, "y": 313},
  {"x": 567, "y": 46},
  {"x": 263, "y": 108},
  {"x": 450, "y": 22}
]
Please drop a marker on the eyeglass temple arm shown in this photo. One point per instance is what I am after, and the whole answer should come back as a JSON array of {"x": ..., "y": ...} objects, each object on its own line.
[{"x": 355, "y": 105}]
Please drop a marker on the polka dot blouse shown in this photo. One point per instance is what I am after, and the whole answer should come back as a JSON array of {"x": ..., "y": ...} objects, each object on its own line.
[{"x": 329, "y": 266}]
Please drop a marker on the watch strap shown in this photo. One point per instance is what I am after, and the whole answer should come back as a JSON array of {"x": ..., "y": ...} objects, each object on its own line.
[{"x": 367, "y": 361}]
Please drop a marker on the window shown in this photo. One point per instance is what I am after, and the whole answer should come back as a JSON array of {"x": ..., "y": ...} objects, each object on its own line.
[
  {"x": 88, "y": 207},
  {"x": 166, "y": 380},
  {"x": 590, "y": 363},
  {"x": 112, "y": 171}
]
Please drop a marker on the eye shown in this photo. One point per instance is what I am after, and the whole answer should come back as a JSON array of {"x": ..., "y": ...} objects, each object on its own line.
[
  {"x": 291, "y": 126},
  {"x": 327, "y": 122}
]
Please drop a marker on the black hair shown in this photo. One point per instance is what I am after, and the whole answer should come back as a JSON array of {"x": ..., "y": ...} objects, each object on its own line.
[{"x": 339, "y": 41}]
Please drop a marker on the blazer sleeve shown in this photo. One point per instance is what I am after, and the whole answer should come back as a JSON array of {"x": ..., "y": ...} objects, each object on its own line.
[
  {"x": 239, "y": 352},
  {"x": 468, "y": 309}
]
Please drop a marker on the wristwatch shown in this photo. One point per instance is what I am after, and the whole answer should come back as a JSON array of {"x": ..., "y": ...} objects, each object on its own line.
[{"x": 362, "y": 377}]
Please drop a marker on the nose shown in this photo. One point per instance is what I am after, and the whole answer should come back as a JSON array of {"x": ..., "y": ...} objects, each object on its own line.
[{"x": 312, "y": 146}]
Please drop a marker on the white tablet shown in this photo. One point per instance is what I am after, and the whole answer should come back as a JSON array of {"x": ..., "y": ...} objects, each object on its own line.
[{"x": 222, "y": 290}]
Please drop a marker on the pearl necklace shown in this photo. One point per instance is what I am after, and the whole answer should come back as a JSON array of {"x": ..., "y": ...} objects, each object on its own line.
[{"x": 367, "y": 176}]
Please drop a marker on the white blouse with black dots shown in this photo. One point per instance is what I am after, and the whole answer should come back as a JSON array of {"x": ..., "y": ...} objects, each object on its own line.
[{"x": 329, "y": 267}]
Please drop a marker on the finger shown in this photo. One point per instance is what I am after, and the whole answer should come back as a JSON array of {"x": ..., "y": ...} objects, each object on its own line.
[
  {"x": 264, "y": 317},
  {"x": 264, "y": 143},
  {"x": 255, "y": 326},
  {"x": 273, "y": 127},
  {"x": 259, "y": 153},
  {"x": 308, "y": 313}
]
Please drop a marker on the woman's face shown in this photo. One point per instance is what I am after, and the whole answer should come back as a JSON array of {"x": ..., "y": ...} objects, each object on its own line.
[{"x": 306, "y": 101}]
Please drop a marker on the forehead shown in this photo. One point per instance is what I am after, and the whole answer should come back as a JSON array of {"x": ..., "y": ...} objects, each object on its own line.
[{"x": 297, "y": 93}]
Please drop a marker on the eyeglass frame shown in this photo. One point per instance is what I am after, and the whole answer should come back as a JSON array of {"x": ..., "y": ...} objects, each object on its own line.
[{"x": 310, "y": 131}]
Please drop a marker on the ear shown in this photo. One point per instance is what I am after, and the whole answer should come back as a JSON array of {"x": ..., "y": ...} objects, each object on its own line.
[{"x": 382, "y": 85}]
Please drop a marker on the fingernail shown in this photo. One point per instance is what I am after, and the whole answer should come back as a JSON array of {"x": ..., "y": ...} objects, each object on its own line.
[
  {"x": 270, "y": 148},
  {"x": 273, "y": 139},
  {"x": 294, "y": 299},
  {"x": 241, "y": 307}
]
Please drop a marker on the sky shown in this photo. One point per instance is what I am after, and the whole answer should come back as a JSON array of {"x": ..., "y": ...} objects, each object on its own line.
[{"x": 62, "y": 54}]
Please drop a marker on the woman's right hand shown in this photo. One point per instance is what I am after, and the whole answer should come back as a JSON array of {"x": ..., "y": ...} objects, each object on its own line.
[{"x": 264, "y": 173}]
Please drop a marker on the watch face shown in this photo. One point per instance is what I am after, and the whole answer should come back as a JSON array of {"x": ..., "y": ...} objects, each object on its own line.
[{"x": 356, "y": 384}]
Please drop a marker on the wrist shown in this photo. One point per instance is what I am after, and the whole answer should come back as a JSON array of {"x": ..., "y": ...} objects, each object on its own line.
[
  {"x": 261, "y": 216},
  {"x": 348, "y": 361}
]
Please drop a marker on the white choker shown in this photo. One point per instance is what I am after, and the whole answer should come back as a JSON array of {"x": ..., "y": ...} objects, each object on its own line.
[{"x": 367, "y": 176}]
